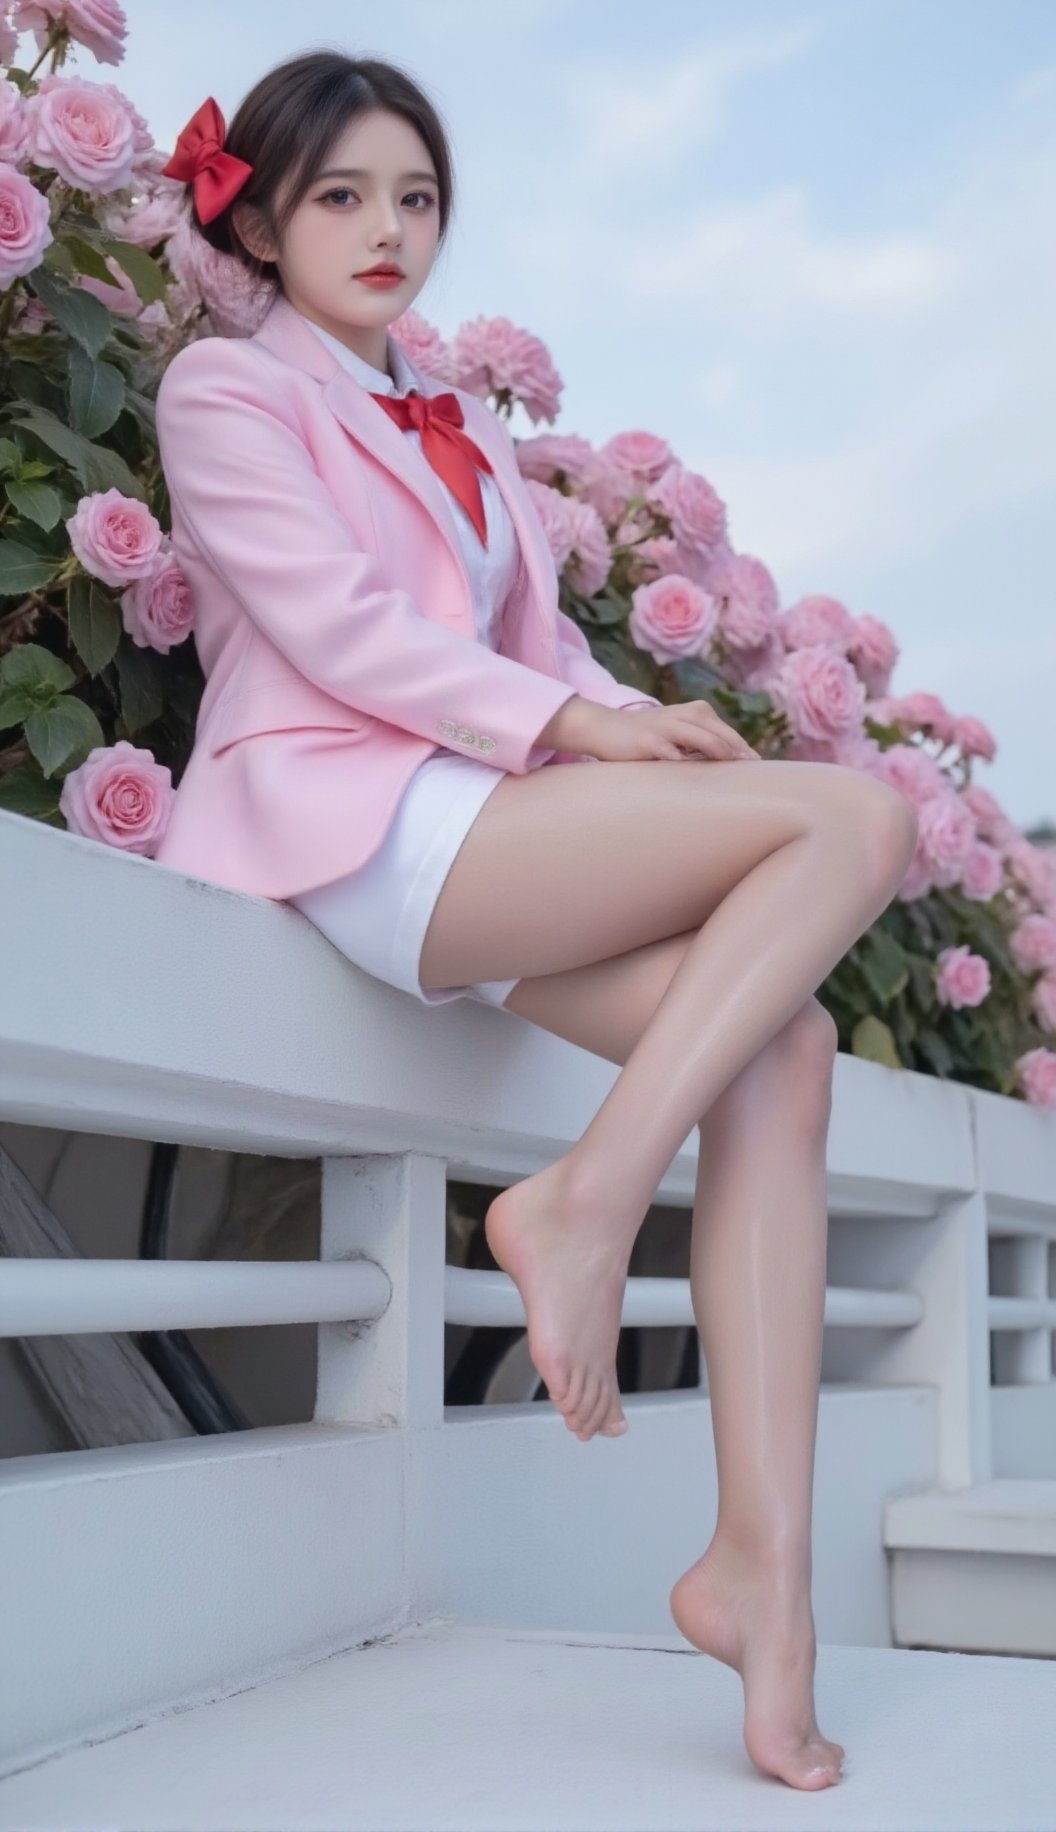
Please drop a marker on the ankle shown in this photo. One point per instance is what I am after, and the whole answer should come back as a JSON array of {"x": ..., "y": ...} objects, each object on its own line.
[{"x": 784, "y": 1562}]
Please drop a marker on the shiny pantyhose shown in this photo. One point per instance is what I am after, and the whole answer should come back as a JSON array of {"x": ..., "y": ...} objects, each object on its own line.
[{"x": 677, "y": 918}]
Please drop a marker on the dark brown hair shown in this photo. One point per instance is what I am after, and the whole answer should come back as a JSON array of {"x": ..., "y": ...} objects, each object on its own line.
[{"x": 288, "y": 122}]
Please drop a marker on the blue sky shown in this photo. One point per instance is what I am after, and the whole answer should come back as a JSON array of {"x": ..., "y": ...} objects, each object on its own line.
[{"x": 811, "y": 245}]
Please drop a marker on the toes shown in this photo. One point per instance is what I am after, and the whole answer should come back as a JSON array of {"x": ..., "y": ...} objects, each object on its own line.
[
  {"x": 603, "y": 1409},
  {"x": 588, "y": 1406},
  {"x": 569, "y": 1402}
]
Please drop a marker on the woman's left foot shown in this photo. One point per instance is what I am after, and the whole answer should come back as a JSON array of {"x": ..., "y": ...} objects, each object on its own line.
[{"x": 758, "y": 1621}]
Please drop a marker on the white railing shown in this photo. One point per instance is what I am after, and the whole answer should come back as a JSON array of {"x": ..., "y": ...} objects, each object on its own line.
[{"x": 150, "y": 1006}]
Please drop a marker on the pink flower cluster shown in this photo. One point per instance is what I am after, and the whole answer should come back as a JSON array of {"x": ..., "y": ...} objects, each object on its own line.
[{"x": 119, "y": 541}]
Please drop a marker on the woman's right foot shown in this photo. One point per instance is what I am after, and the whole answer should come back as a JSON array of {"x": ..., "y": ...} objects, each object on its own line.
[
  {"x": 758, "y": 1620},
  {"x": 568, "y": 1257}
]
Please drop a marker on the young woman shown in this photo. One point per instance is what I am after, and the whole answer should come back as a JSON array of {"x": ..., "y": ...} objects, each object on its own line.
[{"x": 389, "y": 685}]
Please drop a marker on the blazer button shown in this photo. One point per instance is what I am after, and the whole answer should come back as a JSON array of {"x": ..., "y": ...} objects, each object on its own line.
[{"x": 486, "y": 744}]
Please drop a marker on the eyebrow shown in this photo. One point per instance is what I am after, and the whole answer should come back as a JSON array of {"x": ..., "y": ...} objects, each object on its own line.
[{"x": 359, "y": 171}]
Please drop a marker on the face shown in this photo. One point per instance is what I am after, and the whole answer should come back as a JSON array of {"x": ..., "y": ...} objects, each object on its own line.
[{"x": 345, "y": 224}]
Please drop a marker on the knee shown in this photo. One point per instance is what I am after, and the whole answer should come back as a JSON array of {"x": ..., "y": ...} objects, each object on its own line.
[
  {"x": 886, "y": 824},
  {"x": 808, "y": 1044}
]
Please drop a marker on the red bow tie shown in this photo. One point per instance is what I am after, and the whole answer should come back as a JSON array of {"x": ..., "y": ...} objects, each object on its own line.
[{"x": 454, "y": 456}]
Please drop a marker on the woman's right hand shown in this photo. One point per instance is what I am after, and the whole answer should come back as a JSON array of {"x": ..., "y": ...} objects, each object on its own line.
[{"x": 688, "y": 730}]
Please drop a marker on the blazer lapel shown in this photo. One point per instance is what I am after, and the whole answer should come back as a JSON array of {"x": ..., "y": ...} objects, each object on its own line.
[{"x": 285, "y": 333}]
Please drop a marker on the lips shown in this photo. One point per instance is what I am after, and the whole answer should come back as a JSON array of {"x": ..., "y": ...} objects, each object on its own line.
[{"x": 383, "y": 273}]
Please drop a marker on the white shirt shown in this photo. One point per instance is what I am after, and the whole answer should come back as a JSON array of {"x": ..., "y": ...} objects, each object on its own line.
[{"x": 493, "y": 569}]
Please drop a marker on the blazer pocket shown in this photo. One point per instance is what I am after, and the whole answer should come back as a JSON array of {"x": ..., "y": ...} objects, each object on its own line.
[{"x": 279, "y": 706}]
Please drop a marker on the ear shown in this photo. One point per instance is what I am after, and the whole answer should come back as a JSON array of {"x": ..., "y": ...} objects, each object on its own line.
[{"x": 249, "y": 227}]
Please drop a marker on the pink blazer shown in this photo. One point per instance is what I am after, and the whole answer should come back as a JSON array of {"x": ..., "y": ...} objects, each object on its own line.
[{"x": 334, "y": 615}]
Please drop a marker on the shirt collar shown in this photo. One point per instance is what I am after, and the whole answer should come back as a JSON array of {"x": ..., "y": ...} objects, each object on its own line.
[{"x": 377, "y": 380}]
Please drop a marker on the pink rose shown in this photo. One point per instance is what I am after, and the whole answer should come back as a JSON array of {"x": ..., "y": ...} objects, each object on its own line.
[
  {"x": 100, "y": 25},
  {"x": 874, "y": 652},
  {"x": 1031, "y": 867},
  {"x": 1036, "y": 1074},
  {"x": 158, "y": 610},
  {"x": 591, "y": 558},
  {"x": 671, "y": 617},
  {"x": 14, "y": 128},
  {"x": 236, "y": 300},
  {"x": 642, "y": 455},
  {"x": 819, "y": 692},
  {"x": 576, "y": 536},
  {"x": 748, "y": 600},
  {"x": 115, "y": 537},
  {"x": 120, "y": 795},
  {"x": 983, "y": 872},
  {"x": 974, "y": 739},
  {"x": 544, "y": 455},
  {"x": 422, "y": 343},
  {"x": 946, "y": 833},
  {"x": 24, "y": 225},
  {"x": 149, "y": 220},
  {"x": 1043, "y": 999},
  {"x": 553, "y": 508},
  {"x": 8, "y": 41},
  {"x": 914, "y": 771},
  {"x": 493, "y": 356},
  {"x": 84, "y": 131},
  {"x": 817, "y": 619},
  {"x": 696, "y": 513},
  {"x": 1033, "y": 944},
  {"x": 962, "y": 978},
  {"x": 926, "y": 712}
]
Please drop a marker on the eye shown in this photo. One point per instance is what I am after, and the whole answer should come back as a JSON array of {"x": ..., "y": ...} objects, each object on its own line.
[{"x": 344, "y": 191}]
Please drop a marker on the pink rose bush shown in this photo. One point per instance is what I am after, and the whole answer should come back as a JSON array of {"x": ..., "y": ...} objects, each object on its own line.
[{"x": 103, "y": 277}]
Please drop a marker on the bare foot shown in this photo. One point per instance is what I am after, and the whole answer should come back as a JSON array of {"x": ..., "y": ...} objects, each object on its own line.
[
  {"x": 759, "y": 1622},
  {"x": 568, "y": 1259}
]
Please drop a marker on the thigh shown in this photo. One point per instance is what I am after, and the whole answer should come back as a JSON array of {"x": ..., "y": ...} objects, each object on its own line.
[
  {"x": 570, "y": 864},
  {"x": 605, "y": 1007}
]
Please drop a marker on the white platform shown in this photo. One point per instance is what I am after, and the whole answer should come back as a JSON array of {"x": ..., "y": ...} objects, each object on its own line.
[
  {"x": 975, "y": 1568},
  {"x": 453, "y": 1726}
]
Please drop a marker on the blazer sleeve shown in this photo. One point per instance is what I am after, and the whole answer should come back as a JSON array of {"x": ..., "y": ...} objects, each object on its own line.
[{"x": 242, "y": 478}]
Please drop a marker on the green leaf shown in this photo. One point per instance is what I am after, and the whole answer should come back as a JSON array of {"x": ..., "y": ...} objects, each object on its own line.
[
  {"x": 883, "y": 963},
  {"x": 871, "y": 1038},
  {"x": 936, "y": 1051},
  {"x": 34, "y": 667},
  {"x": 142, "y": 269},
  {"x": 95, "y": 624},
  {"x": 38, "y": 501},
  {"x": 10, "y": 455},
  {"x": 22, "y": 570},
  {"x": 24, "y": 791},
  {"x": 58, "y": 260},
  {"x": 88, "y": 259},
  {"x": 142, "y": 699},
  {"x": 15, "y": 705},
  {"x": 81, "y": 315},
  {"x": 96, "y": 467},
  {"x": 63, "y": 733},
  {"x": 921, "y": 975},
  {"x": 97, "y": 394}
]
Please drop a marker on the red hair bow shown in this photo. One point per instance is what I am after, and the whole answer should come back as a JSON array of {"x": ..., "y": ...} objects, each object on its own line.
[{"x": 200, "y": 158}]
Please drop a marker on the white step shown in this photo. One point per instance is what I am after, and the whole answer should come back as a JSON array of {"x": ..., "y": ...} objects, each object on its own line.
[
  {"x": 974, "y": 1569},
  {"x": 449, "y": 1725}
]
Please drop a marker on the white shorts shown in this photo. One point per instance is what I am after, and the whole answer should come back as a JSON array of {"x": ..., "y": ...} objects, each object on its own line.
[{"x": 377, "y": 915}]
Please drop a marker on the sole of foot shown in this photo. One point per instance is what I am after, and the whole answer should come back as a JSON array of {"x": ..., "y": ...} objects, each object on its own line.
[{"x": 571, "y": 1273}]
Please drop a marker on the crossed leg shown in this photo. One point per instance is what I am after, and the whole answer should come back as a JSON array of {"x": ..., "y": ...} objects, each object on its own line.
[{"x": 677, "y": 918}]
